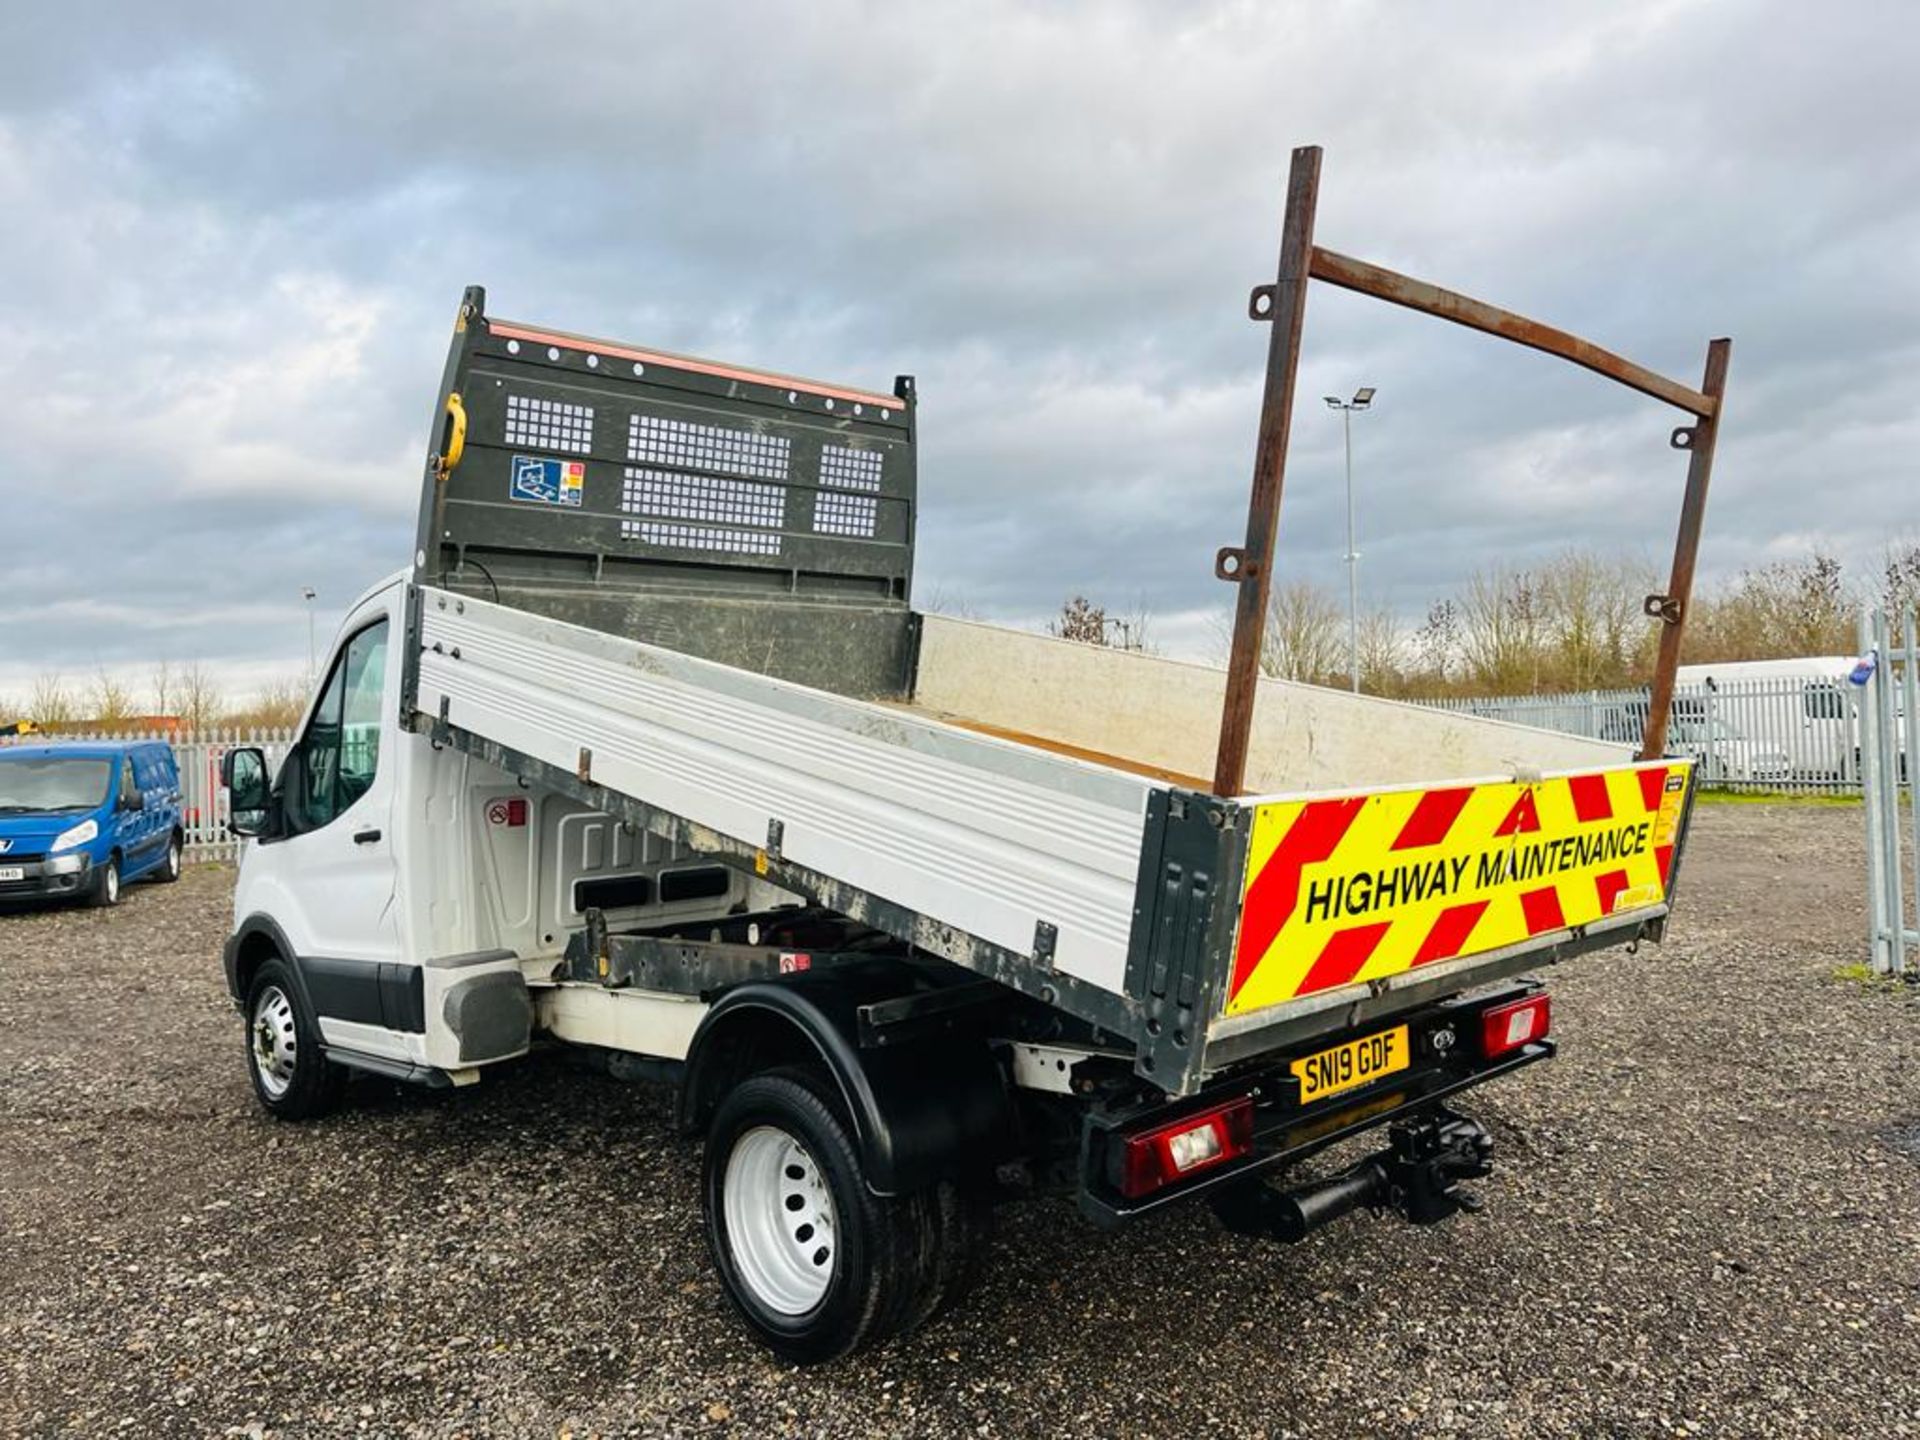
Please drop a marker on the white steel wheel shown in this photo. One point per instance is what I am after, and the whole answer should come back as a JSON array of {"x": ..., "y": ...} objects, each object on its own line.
[
  {"x": 780, "y": 1220},
  {"x": 172, "y": 868},
  {"x": 273, "y": 1041}
]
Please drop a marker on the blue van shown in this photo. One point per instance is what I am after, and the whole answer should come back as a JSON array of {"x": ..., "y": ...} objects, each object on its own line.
[{"x": 82, "y": 819}]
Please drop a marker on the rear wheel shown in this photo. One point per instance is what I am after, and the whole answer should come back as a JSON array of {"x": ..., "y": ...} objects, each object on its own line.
[
  {"x": 106, "y": 884},
  {"x": 169, "y": 870},
  {"x": 291, "y": 1074},
  {"x": 814, "y": 1261}
]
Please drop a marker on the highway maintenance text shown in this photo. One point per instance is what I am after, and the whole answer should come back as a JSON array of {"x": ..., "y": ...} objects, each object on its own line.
[{"x": 1447, "y": 876}]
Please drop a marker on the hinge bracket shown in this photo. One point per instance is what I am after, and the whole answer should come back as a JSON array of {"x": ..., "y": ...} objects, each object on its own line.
[
  {"x": 1232, "y": 564},
  {"x": 1664, "y": 608}
]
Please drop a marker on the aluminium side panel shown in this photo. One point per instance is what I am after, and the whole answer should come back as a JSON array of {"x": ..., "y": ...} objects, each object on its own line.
[{"x": 1028, "y": 851}]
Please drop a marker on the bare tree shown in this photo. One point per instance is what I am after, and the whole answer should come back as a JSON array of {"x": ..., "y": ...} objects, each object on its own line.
[
  {"x": 1304, "y": 637},
  {"x": 161, "y": 687},
  {"x": 1436, "y": 644},
  {"x": 944, "y": 601},
  {"x": 111, "y": 702},
  {"x": 1133, "y": 630},
  {"x": 197, "y": 698},
  {"x": 1822, "y": 614},
  {"x": 1502, "y": 624},
  {"x": 276, "y": 705},
  {"x": 1082, "y": 620},
  {"x": 1597, "y": 631},
  {"x": 1783, "y": 609},
  {"x": 1900, "y": 577},
  {"x": 50, "y": 704},
  {"x": 1382, "y": 653}
]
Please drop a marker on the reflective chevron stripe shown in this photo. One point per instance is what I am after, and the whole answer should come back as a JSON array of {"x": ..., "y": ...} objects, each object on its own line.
[{"x": 1354, "y": 888}]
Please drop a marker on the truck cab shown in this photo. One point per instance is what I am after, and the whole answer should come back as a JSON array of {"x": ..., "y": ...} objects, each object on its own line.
[{"x": 82, "y": 819}]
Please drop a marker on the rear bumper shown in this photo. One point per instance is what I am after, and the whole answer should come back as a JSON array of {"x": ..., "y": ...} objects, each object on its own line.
[
  {"x": 46, "y": 878},
  {"x": 1286, "y": 1131}
]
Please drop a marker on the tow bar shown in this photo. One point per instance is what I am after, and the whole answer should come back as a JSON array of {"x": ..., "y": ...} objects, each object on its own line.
[{"x": 1418, "y": 1175}]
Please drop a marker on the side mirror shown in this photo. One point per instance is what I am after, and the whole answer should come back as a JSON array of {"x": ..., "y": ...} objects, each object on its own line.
[
  {"x": 244, "y": 773},
  {"x": 133, "y": 800}
]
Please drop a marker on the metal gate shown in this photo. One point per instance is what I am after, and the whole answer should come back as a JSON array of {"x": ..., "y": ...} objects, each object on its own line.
[{"x": 1889, "y": 672}]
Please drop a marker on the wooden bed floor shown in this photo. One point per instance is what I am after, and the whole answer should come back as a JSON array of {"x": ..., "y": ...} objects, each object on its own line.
[{"x": 1076, "y": 752}]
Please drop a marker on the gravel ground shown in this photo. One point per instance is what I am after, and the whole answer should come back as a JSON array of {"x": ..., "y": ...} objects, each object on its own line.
[{"x": 1706, "y": 1220}]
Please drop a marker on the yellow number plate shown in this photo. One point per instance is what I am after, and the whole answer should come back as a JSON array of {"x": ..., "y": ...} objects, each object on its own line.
[{"x": 1358, "y": 1062}]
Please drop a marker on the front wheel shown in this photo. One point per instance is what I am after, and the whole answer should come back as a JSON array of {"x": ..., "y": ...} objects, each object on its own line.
[
  {"x": 291, "y": 1074},
  {"x": 814, "y": 1261},
  {"x": 106, "y": 885}
]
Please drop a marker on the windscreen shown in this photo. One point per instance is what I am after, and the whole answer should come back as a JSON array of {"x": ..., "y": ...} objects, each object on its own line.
[{"x": 45, "y": 783}]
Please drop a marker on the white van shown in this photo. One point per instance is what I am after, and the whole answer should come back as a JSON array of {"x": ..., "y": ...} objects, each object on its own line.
[{"x": 1801, "y": 709}]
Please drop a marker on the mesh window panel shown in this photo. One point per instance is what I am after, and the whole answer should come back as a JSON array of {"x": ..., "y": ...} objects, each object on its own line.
[
  {"x": 549, "y": 425},
  {"x": 688, "y": 445},
  {"x": 702, "y": 497},
  {"x": 702, "y": 537},
  {"x": 851, "y": 469},
  {"x": 852, "y": 515}
]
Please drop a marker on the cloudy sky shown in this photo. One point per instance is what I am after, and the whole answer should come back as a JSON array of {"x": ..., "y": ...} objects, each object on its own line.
[{"x": 234, "y": 238}]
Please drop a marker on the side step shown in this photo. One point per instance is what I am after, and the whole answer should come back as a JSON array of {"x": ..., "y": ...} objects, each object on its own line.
[
  {"x": 1417, "y": 1176},
  {"x": 402, "y": 1070}
]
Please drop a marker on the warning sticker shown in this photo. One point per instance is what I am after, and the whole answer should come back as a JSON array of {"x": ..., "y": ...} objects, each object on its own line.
[
  {"x": 1360, "y": 887},
  {"x": 548, "y": 482}
]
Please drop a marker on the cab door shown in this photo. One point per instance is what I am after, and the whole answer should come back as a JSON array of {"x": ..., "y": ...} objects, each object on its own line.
[
  {"x": 132, "y": 819},
  {"x": 335, "y": 856}
]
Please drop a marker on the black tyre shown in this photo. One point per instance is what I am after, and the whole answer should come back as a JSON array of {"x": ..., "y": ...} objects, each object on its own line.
[
  {"x": 814, "y": 1261},
  {"x": 291, "y": 1075},
  {"x": 169, "y": 870},
  {"x": 965, "y": 1219},
  {"x": 105, "y": 890}
]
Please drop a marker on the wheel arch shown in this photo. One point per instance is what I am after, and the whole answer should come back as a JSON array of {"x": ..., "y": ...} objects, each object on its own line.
[
  {"x": 933, "y": 1111},
  {"x": 256, "y": 940}
]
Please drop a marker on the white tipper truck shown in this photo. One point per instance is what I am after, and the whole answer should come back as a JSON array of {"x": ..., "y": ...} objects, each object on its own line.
[{"x": 647, "y": 754}]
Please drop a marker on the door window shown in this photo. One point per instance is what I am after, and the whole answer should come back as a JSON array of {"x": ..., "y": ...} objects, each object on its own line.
[
  {"x": 129, "y": 786},
  {"x": 340, "y": 752}
]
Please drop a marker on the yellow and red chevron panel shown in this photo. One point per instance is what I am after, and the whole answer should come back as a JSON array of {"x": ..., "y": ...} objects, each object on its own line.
[{"x": 1359, "y": 887}]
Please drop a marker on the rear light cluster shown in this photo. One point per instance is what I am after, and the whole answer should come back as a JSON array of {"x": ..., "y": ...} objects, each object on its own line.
[
  {"x": 1156, "y": 1158},
  {"x": 1519, "y": 1022}
]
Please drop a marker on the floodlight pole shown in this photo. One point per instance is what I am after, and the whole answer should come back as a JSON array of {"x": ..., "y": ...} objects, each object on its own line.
[
  {"x": 1353, "y": 563},
  {"x": 307, "y": 594},
  {"x": 1362, "y": 400}
]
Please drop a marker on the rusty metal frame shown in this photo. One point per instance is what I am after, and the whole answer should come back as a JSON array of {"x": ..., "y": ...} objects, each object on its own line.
[{"x": 1284, "y": 303}]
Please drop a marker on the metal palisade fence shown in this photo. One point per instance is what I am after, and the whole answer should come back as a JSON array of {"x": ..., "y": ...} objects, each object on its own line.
[
  {"x": 1797, "y": 733},
  {"x": 203, "y": 801},
  {"x": 1890, "y": 768}
]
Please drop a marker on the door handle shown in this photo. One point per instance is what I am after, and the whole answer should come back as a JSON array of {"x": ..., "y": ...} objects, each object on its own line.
[{"x": 365, "y": 837}]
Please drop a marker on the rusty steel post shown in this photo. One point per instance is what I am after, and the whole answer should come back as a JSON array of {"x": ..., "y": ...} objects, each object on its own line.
[
  {"x": 1671, "y": 609},
  {"x": 1396, "y": 289},
  {"x": 1251, "y": 566}
]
